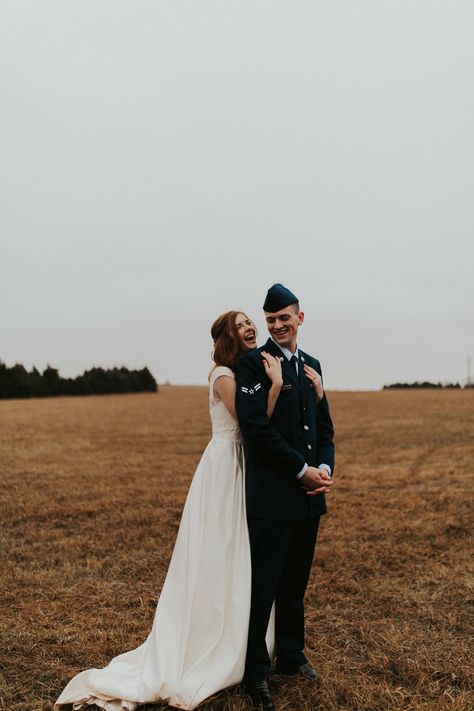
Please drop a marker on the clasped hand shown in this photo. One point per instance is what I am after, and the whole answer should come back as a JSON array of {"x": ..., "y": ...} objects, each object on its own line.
[{"x": 316, "y": 481}]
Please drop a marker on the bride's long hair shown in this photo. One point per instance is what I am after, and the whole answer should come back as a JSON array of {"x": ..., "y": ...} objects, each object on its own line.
[{"x": 228, "y": 346}]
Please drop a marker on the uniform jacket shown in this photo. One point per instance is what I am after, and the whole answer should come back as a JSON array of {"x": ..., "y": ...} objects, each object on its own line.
[{"x": 300, "y": 430}]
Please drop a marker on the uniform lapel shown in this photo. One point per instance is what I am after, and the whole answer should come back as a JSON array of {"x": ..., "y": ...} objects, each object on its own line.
[
  {"x": 289, "y": 371},
  {"x": 305, "y": 386}
]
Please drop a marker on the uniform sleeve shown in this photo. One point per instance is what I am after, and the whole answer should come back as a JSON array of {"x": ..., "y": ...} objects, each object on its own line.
[
  {"x": 251, "y": 406},
  {"x": 325, "y": 430}
]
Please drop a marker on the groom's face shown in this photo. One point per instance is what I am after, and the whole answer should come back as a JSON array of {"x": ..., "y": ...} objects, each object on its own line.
[{"x": 283, "y": 325}]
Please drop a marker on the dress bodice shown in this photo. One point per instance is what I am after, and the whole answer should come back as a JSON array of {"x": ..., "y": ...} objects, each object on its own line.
[{"x": 224, "y": 426}]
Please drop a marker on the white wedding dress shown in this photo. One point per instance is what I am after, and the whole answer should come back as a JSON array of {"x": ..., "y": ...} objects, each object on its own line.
[{"x": 198, "y": 641}]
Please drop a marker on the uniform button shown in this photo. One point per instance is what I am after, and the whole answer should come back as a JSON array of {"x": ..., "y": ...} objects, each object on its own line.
[
  {"x": 306, "y": 427},
  {"x": 309, "y": 446}
]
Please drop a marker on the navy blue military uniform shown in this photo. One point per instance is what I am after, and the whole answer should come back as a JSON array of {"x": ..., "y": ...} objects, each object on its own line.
[{"x": 283, "y": 520}]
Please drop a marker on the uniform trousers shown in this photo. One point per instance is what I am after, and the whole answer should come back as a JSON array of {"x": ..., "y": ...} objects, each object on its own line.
[{"x": 282, "y": 554}]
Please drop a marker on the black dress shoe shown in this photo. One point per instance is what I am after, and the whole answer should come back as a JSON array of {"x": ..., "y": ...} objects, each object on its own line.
[
  {"x": 305, "y": 670},
  {"x": 308, "y": 672},
  {"x": 260, "y": 695}
]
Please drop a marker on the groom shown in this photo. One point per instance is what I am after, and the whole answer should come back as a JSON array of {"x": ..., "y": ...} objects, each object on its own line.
[{"x": 289, "y": 463}]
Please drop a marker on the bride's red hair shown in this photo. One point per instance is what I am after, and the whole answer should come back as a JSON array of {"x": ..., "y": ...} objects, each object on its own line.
[{"x": 228, "y": 346}]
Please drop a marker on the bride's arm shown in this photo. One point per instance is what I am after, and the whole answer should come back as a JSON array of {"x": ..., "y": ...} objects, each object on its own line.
[
  {"x": 273, "y": 371},
  {"x": 224, "y": 386},
  {"x": 273, "y": 394},
  {"x": 224, "y": 389}
]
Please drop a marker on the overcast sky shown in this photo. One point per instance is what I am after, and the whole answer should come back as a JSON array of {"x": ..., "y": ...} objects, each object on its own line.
[{"x": 162, "y": 162}]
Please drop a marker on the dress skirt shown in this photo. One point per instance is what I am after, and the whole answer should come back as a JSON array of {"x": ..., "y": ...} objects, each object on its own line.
[{"x": 197, "y": 644}]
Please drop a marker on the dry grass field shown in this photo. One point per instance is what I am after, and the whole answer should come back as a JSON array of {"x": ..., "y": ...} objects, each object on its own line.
[{"x": 91, "y": 494}]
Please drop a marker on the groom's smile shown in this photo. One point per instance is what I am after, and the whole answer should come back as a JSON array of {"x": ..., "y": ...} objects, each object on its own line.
[{"x": 283, "y": 326}]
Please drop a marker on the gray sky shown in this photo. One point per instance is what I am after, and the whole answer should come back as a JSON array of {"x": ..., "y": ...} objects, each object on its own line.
[{"x": 162, "y": 162}]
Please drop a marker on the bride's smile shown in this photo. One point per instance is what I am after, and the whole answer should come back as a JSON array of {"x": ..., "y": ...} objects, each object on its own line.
[{"x": 246, "y": 330}]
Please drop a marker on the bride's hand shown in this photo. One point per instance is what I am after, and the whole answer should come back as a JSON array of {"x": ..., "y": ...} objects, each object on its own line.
[
  {"x": 316, "y": 381},
  {"x": 272, "y": 367}
]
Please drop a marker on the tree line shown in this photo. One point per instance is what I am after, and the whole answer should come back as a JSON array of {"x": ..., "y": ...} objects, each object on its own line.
[
  {"x": 17, "y": 382},
  {"x": 424, "y": 384}
]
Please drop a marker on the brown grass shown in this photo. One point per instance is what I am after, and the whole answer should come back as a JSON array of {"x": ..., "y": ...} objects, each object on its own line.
[{"x": 91, "y": 496}]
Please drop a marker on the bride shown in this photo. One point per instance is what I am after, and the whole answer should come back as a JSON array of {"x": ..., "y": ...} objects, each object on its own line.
[{"x": 197, "y": 644}]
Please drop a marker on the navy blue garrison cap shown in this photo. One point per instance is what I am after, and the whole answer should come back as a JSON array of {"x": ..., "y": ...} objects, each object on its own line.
[{"x": 278, "y": 297}]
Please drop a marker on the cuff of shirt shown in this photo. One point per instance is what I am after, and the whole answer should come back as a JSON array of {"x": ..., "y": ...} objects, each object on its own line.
[
  {"x": 326, "y": 467},
  {"x": 298, "y": 476}
]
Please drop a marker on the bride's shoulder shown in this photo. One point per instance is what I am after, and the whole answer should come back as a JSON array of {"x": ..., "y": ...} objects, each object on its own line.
[{"x": 218, "y": 370}]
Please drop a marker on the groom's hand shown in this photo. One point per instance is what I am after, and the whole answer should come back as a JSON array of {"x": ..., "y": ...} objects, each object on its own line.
[{"x": 316, "y": 481}]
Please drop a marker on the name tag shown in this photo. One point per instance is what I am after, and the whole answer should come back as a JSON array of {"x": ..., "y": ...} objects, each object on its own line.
[{"x": 287, "y": 387}]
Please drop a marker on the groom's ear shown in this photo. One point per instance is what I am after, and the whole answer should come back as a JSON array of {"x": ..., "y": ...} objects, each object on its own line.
[{"x": 300, "y": 317}]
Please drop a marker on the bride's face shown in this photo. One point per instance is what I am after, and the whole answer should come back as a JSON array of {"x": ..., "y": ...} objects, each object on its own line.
[{"x": 246, "y": 331}]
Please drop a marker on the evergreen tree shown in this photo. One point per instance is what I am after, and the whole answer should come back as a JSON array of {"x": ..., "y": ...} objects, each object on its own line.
[
  {"x": 52, "y": 380},
  {"x": 16, "y": 382}
]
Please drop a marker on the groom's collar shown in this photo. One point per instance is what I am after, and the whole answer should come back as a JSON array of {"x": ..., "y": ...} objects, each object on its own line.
[
  {"x": 286, "y": 351},
  {"x": 272, "y": 347}
]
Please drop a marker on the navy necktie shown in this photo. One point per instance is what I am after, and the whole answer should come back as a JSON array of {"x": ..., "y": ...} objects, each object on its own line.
[{"x": 293, "y": 361}]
